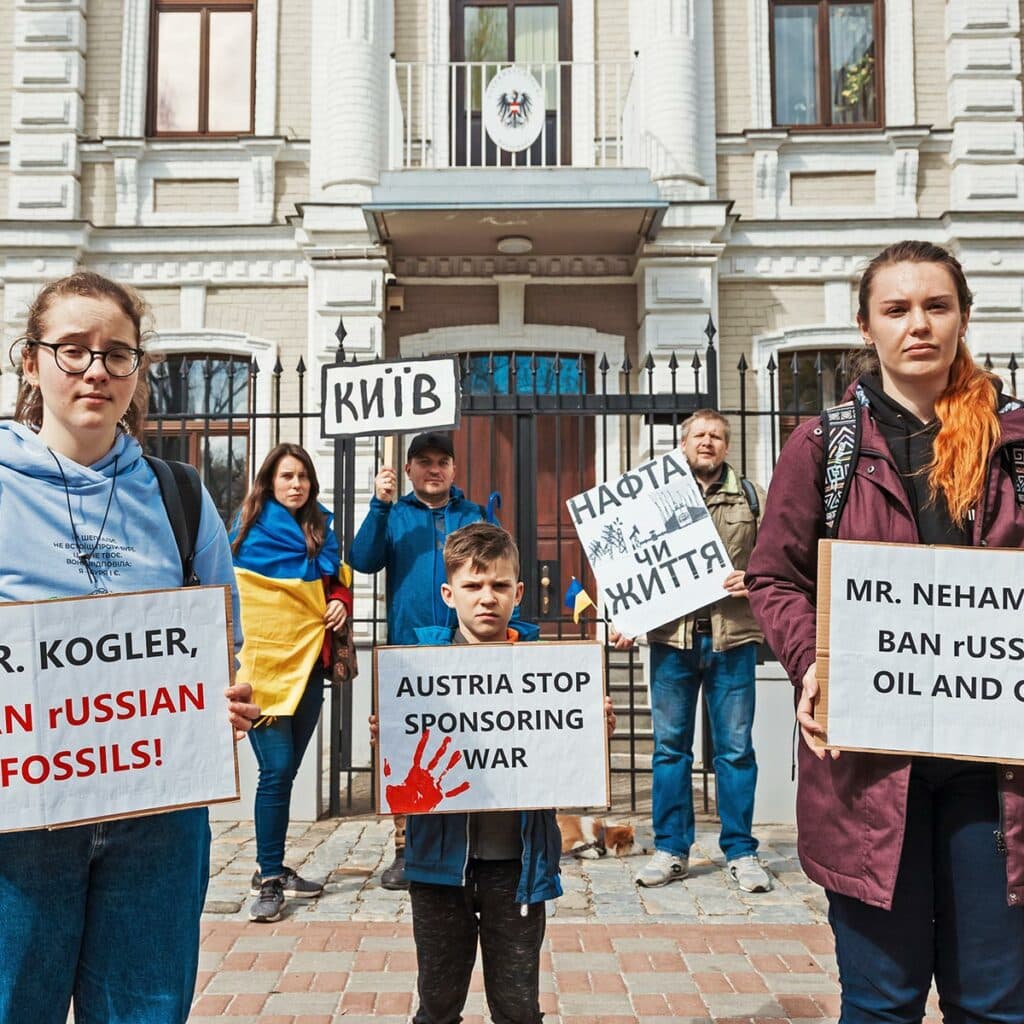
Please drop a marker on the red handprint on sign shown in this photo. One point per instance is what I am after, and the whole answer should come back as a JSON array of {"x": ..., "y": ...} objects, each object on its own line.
[{"x": 421, "y": 792}]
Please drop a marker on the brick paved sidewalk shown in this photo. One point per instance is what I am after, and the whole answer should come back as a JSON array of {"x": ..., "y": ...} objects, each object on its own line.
[
  {"x": 318, "y": 973},
  {"x": 698, "y": 951}
]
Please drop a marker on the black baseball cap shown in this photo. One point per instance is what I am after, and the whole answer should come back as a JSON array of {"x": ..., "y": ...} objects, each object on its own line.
[{"x": 431, "y": 442}]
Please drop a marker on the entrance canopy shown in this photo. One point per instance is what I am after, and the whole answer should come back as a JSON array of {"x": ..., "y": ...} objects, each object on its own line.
[{"x": 558, "y": 212}]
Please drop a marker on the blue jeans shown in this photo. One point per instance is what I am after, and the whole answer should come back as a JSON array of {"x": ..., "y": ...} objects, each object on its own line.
[
  {"x": 107, "y": 914},
  {"x": 728, "y": 680},
  {"x": 949, "y": 915},
  {"x": 279, "y": 746}
]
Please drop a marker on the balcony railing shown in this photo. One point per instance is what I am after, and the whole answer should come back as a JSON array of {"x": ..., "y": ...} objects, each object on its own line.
[{"x": 435, "y": 115}]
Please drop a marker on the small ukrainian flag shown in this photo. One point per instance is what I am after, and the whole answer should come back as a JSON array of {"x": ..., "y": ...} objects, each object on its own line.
[{"x": 577, "y": 600}]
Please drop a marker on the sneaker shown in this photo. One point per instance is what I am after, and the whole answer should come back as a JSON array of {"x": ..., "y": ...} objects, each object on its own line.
[
  {"x": 663, "y": 868},
  {"x": 393, "y": 877},
  {"x": 294, "y": 885},
  {"x": 749, "y": 875},
  {"x": 267, "y": 906}
]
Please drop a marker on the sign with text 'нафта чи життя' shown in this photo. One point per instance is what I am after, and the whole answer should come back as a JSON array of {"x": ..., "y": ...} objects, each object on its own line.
[
  {"x": 113, "y": 706},
  {"x": 484, "y": 727},
  {"x": 920, "y": 649},
  {"x": 403, "y": 396},
  {"x": 651, "y": 543}
]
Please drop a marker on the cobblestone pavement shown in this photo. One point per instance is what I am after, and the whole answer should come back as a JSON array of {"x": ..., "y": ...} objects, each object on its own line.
[{"x": 695, "y": 951}]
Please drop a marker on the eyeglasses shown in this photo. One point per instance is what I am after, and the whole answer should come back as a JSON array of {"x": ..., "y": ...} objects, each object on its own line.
[{"x": 119, "y": 361}]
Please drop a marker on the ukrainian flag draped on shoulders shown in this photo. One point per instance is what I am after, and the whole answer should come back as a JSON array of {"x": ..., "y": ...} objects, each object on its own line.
[{"x": 283, "y": 599}]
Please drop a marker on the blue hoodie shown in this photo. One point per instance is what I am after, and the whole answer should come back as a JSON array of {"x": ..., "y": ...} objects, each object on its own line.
[
  {"x": 137, "y": 551},
  {"x": 437, "y": 845},
  {"x": 403, "y": 537}
]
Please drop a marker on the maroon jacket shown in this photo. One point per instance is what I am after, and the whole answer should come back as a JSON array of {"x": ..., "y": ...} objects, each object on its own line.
[{"x": 851, "y": 812}]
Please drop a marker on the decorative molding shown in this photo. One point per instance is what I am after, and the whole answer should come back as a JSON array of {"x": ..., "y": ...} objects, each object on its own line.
[
  {"x": 532, "y": 338},
  {"x": 457, "y": 267},
  {"x": 778, "y": 344},
  {"x": 149, "y": 272}
]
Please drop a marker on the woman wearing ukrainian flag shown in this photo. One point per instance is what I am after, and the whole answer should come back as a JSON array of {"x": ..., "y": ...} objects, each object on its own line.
[{"x": 295, "y": 591}]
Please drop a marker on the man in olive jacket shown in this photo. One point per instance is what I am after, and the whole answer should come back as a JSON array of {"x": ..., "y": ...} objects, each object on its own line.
[{"x": 715, "y": 646}]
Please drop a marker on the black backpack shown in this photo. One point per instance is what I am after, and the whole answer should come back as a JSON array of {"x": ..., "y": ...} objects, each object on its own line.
[{"x": 182, "y": 494}]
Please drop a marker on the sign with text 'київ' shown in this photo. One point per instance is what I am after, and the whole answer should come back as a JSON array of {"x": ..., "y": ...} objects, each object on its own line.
[
  {"x": 113, "y": 706},
  {"x": 487, "y": 727},
  {"x": 920, "y": 649},
  {"x": 390, "y": 397}
]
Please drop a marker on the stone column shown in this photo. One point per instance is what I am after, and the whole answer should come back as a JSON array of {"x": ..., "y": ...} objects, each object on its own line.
[
  {"x": 665, "y": 32},
  {"x": 350, "y": 85}
]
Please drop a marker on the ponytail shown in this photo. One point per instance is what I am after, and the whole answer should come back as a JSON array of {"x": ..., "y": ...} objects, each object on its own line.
[{"x": 968, "y": 433}]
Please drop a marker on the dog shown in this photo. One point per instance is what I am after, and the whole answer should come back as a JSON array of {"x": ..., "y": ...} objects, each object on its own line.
[{"x": 594, "y": 837}]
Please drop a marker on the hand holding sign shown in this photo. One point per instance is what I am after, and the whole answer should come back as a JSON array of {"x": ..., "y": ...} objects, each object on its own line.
[
  {"x": 385, "y": 484},
  {"x": 421, "y": 791}
]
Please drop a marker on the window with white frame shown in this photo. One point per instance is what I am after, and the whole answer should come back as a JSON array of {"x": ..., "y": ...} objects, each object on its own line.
[
  {"x": 202, "y": 68},
  {"x": 826, "y": 64}
]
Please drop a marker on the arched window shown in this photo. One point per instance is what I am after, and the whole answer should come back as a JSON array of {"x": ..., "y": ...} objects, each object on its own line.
[
  {"x": 810, "y": 380},
  {"x": 199, "y": 409}
]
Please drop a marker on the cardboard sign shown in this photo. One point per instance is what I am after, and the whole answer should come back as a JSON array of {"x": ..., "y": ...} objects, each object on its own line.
[
  {"x": 651, "y": 543},
  {"x": 390, "y": 396},
  {"x": 920, "y": 649},
  {"x": 113, "y": 706},
  {"x": 485, "y": 727}
]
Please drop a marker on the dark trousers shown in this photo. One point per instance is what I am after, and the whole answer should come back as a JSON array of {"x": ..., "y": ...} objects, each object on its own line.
[
  {"x": 949, "y": 916},
  {"x": 279, "y": 746},
  {"x": 447, "y": 920}
]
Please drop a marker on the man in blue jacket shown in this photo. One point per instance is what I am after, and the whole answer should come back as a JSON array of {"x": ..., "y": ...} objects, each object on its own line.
[{"x": 406, "y": 537}]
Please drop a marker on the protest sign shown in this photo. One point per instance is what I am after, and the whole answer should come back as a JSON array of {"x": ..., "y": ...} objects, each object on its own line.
[
  {"x": 651, "y": 543},
  {"x": 488, "y": 727},
  {"x": 113, "y": 706},
  {"x": 921, "y": 650},
  {"x": 390, "y": 396}
]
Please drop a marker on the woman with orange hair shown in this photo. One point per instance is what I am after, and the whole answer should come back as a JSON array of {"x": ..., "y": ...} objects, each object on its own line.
[{"x": 922, "y": 858}]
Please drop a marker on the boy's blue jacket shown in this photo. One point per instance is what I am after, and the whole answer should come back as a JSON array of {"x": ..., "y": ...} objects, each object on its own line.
[
  {"x": 402, "y": 538},
  {"x": 436, "y": 845}
]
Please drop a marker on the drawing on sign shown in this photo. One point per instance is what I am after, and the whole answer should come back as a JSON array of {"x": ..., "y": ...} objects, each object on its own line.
[
  {"x": 421, "y": 791},
  {"x": 651, "y": 543}
]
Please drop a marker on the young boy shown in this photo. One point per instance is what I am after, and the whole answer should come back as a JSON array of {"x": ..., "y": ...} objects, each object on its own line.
[{"x": 481, "y": 876}]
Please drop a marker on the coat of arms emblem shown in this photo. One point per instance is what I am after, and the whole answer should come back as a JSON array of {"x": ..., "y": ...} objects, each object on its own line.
[{"x": 513, "y": 109}]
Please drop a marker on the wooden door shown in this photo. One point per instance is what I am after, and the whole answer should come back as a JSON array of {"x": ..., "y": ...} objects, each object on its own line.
[{"x": 535, "y": 459}]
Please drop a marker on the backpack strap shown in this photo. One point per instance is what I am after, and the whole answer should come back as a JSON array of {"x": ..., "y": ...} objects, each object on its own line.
[
  {"x": 841, "y": 426},
  {"x": 1015, "y": 459},
  {"x": 182, "y": 494},
  {"x": 751, "y": 495},
  {"x": 753, "y": 501}
]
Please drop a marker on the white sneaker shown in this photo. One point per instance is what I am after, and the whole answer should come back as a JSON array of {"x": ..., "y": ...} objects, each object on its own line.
[
  {"x": 749, "y": 875},
  {"x": 663, "y": 868}
]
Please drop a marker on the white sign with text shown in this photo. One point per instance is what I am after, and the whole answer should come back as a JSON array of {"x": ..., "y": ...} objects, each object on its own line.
[
  {"x": 390, "y": 397},
  {"x": 925, "y": 649},
  {"x": 476, "y": 727},
  {"x": 113, "y": 706},
  {"x": 651, "y": 543}
]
